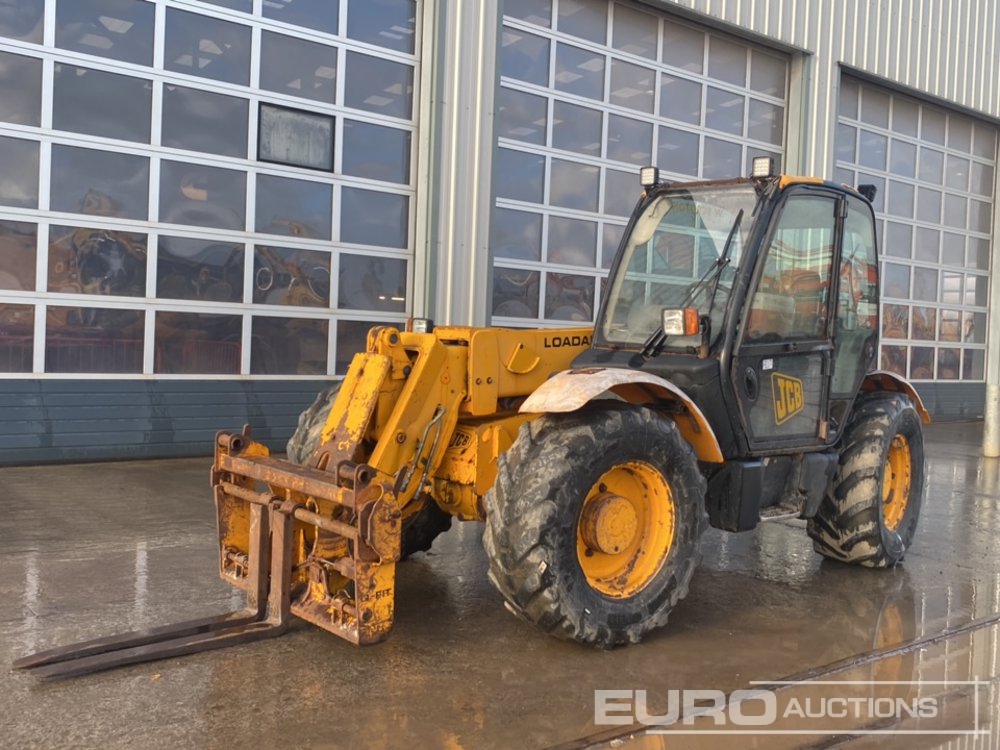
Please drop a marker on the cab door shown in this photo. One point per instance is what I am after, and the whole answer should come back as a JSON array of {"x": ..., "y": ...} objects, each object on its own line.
[{"x": 782, "y": 362}]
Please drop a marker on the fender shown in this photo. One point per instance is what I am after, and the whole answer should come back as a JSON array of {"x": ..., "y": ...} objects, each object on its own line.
[
  {"x": 569, "y": 390},
  {"x": 883, "y": 380}
]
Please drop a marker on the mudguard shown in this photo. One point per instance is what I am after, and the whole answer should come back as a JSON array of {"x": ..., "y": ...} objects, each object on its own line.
[
  {"x": 883, "y": 380},
  {"x": 569, "y": 390}
]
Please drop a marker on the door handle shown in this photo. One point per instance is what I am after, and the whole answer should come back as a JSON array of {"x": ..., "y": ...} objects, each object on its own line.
[{"x": 751, "y": 386}]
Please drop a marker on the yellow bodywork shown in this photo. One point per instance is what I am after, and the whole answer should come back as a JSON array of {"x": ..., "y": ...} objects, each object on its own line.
[{"x": 420, "y": 417}]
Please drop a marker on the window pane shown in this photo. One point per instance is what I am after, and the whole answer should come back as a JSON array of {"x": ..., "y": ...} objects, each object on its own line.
[
  {"x": 288, "y": 346},
  {"x": 197, "y": 343},
  {"x": 955, "y": 210},
  {"x": 352, "y": 337},
  {"x": 680, "y": 99},
  {"x": 579, "y": 71},
  {"x": 19, "y": 176},
  {"x": 724, "y": 111},
  {"x": 88, "y": 181},
  {"x": 91, "y": 339},
  {"x": 722, "y": 159},
  {"x": 612, "y": 239},
  {"x": 371, "y": 218},
  {"x": 516, "y": 234},
  {"x": 22, "y": 19},
  {"x": 896, "y": 281},
  {"x": 96, "y": 261},
  {"x": 932, "y": 125},
  {"x": 569, "y": 297},
  {"x": 767, "y": 74},
  {"x": 244, "y": 6},
  {"x": 519, "y": 176},
  {"x": 372, "y": 283},
  {"x": 894, "y": 359},
  {"x": 766, "y": 122},
  {"x": 982, "y": 179},
  {"x": 927, "y": 244},
  {"x": 923, "y": 324},
  {"x": 119, "y": 29},
  {"x": 974, "y": 328},
  {"x": 905, "y": 116},
  {"x": 380, "y": 86},
  {"x": 576, "y": 128},
  {"x": 20, "y": 88},
  {"x": 298, "y": 68},
  {"x": 18, "y": 241},
  {"x": 321, "y": 15},
  {"x": 898, "y": 240},
  {"x": 293, "y": 207},
  {"x": 635, "y": 32},
  {"x": 875, "y": 106},
  {"x": 204, "y": 121},
  {"x": 202, "y": 196},
  {"x": 895, "y": 321},
  {"x": 630, "y": 140},
  {"x": 538, "y": 12},
  {"x": 207, "y": 47},
  {"x": 727, "y": 61},
  {"x": 521, "y": 116},
  {"x": 301, "y": 139},
  {"x": 587, "y": 19},
  {"x": 900, "y": 198},
  {"x": 683, "y": 47},
  {"x": 632, "y": 86},
  {"x": 288, "y": 276},
  {"x": 574, "y": 185},
  {"x": 376, "y": 152},
  {"x": 929, "y": 205},
  {"x": 903, "y": 158},
  {"x": 387, "y": 23},
  {"x": 524, "y": 56},
  {"x": 17, "y": 325},
  {"x": 948, "y": 364},
  {"x": 103, "y": 104},
  {"x": 678, "y": 151},
  {"x": 199, "y": 270},
  {"x": 873, "y": 150},
  {"x": 925, "y": 284},
  {"x": 621, "y": 189},
  {"x": 515, "y": 293},
  {"x": 960, "y": 133},
  {"x": 974, "y": 364},
  {"x": 572, "y": 241},
  {"x": 985, "y": 144}
]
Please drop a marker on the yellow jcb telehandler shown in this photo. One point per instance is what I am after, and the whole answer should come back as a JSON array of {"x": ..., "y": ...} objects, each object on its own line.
[{"x": 727, "y": 380}]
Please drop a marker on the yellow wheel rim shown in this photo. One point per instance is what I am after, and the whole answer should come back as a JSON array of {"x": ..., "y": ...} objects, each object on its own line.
[
  {"x": 896, "y": 483},
  {"x": 626, "y": 529}
]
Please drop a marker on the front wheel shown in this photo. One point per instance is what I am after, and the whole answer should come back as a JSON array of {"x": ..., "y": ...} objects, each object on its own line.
[
  {"x": 593, "y": 524},
  {"x": 870, "y": 511}
]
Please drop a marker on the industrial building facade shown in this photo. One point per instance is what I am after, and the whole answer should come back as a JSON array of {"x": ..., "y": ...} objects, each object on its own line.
[{"x": 205, "y": 205}]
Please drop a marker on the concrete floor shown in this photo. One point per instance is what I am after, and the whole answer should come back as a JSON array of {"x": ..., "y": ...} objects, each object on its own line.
[{"x": 95, "y": 549}]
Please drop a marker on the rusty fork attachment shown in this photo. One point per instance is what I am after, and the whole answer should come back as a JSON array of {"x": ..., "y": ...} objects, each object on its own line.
[{"x": 313, "y": 545}]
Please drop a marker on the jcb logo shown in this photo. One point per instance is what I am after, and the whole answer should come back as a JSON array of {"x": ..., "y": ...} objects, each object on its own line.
[{"x": 788, "y": 398}]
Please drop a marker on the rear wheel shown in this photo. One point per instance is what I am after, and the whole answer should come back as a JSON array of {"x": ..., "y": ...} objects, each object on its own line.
[
  {"x": 870, "y": 512},
  {"x": 592, "y": 527},
  {"x": 423, "y": 520}
]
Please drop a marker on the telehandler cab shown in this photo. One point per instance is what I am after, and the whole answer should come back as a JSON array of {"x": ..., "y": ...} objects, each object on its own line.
[{"x": 726, "y": 381}]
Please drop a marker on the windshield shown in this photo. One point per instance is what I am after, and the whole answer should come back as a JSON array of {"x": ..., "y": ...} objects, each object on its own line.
[{"x": 673, "y": 258}]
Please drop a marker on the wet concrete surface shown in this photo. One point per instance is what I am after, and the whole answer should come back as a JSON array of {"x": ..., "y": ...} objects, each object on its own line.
[{"x": 89, "y": 550}]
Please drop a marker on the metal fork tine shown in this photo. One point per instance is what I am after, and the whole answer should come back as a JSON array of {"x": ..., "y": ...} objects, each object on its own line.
[
  {"x": 163, "y": 649},
  {"x": 137, "y": 638}
]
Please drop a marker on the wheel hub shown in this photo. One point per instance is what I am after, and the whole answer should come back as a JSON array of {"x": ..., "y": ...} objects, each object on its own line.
[{"x": 609, "y": 524}]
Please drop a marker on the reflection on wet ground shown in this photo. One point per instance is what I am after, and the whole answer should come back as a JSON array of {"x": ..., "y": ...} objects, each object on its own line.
[{"x": 90, "y": 550}]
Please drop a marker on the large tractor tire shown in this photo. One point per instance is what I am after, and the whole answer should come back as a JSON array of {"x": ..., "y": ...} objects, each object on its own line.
[
  {"x": 423, "y": 520},
  {"x": 871, "y": 509},
  {"x": 593, "y": 524}
]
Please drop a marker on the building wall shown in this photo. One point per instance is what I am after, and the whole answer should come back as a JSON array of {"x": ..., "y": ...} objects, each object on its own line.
[{"x": 439, "y": 189}]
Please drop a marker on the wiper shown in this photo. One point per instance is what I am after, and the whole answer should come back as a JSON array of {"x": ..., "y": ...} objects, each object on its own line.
[
  {"x": 657, "y": 339},
  {"x": 715, "y": 271}
]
